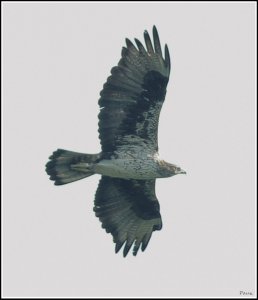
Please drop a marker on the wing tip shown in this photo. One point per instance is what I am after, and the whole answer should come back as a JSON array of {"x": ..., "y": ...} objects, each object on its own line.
[
  {"x": 140, "y": 45},
  {"x": 167, "y": 57},
  {"x": 127, "y": 248},
  {"x": 128, "y": 43},
  {"x": 155, "y": 30},
  {"x": 118, "y": 246}
]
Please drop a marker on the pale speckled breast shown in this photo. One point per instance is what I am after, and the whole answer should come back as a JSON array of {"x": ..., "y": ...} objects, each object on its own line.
[{"x": 147, "y": 168}]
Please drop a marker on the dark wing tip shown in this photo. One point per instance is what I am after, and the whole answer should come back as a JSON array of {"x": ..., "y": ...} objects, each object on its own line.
[
  {"x": 167, "y": 57},
  {"x": 145, "y": 241},
  {"x": 127, "y": 247},
  {"x": 118, "y": 246},
  {"x": 146, "y": 35},
  {"x": 148, "y": 42},
  {"x": 129, "y": 44},
  {"x": 140, "y": 46},
  {"x": 127, "y": 41},
  {"x": 156, "y": 41},
  {"x": 154, "y": 30},
  {"x": 136, "y": 248}
]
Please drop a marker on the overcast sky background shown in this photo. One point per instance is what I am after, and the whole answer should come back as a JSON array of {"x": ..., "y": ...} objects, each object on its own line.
[{"x": 56, "y": 58}]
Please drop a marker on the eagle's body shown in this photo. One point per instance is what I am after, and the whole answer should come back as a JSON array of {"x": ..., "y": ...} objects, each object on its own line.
[
  {"x": 145, "y": 167},
  {"x": 129, "y": 163}
]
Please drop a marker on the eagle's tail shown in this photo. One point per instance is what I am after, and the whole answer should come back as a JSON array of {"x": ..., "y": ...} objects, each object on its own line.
[{"x": 67, "y": 166}]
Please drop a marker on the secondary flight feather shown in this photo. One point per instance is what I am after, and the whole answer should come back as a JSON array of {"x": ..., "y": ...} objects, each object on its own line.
[{"x": 129, "y": 164}]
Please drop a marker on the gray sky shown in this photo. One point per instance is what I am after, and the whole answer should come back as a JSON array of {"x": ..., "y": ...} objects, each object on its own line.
[{"x": 56, "y": 58}]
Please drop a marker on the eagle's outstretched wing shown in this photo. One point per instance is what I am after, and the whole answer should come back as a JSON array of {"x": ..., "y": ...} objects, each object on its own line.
[
  {"x": 133, "y": 95},
  {"x": 129, "y": 210}
]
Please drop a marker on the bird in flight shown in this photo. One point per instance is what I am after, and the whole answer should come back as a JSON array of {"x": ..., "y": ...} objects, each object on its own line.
[{"x": 130, "y": 103}]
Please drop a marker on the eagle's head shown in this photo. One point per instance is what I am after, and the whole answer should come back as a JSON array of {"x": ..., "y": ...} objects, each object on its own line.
[{"x": 168, "y": 170}]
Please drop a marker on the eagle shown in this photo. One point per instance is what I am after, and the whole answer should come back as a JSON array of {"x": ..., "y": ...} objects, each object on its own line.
[{"x": 129, "y": 164}]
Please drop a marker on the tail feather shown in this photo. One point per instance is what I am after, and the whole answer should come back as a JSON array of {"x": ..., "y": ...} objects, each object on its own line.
[{"x": 68, "y": 166}]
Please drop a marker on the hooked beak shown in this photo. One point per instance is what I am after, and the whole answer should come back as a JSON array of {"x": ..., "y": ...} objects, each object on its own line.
[{"x": 182, "y": 172}]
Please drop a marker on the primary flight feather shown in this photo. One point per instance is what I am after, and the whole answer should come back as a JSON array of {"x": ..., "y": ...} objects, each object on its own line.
[{"x": 130, "y": 104}]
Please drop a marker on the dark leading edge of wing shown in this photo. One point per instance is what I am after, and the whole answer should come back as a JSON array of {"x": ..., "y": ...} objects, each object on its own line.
[
  {"x": 132, "y": 97},
  {"x": 129, "y": 210}
]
